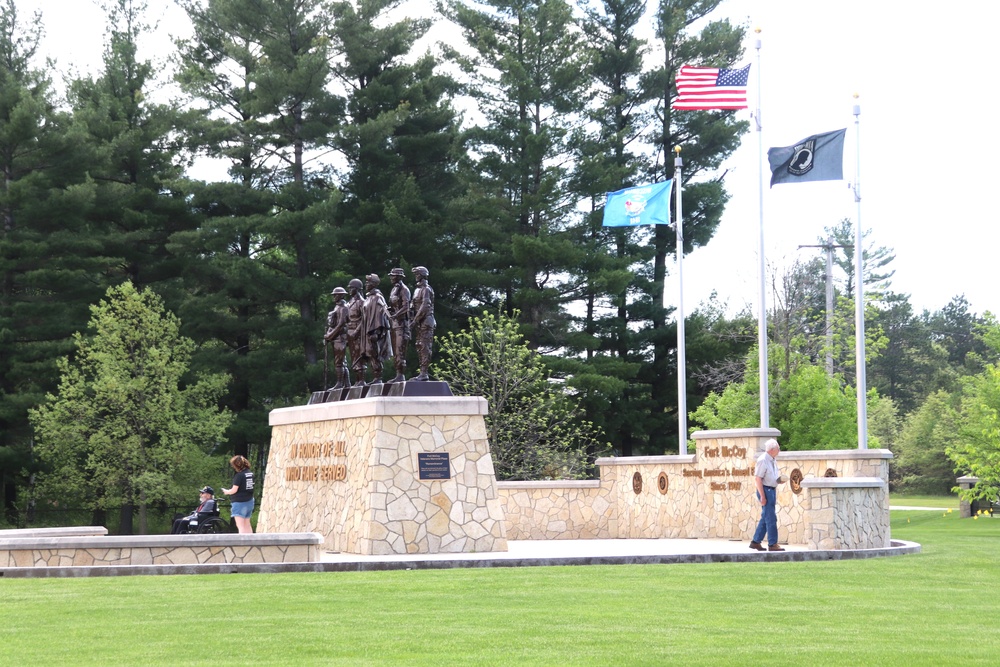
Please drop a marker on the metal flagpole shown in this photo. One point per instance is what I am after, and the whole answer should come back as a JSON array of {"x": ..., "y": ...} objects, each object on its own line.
[
  {"x": 859, "y": 294},
  {"x": 762, "y": 306},
  {"x": 681, "y": 362}
]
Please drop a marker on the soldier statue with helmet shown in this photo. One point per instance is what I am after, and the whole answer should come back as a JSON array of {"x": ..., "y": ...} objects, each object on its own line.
[
  {"x": 336, "y": 333},
  {"x": 423, "y": 323},
  {"x": 371, "y": 329},
  {"x": 355, "y": 304}
]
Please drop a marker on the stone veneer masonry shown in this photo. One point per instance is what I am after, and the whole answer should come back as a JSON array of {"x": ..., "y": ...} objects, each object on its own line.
[
  {"x": 710, "y": 494},
  {"x": 87, "y": 551},
  {"x": 351, "y": 471},
  {"x": 846, "y": 513}
]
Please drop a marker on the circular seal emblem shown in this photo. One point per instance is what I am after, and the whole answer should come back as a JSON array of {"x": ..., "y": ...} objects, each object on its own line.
[
  {"x": 661, "y": 483},
  {"x": 637, "y": 483},
  {"x": 802, "y": 158},
  {"x": 795, "y": 481}
]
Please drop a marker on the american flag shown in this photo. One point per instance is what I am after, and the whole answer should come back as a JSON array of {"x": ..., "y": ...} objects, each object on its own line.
[{"x": 711, "y": 88}]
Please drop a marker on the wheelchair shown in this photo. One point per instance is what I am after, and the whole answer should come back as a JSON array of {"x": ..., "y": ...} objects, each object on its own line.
[{"x": 207, "y": 523}]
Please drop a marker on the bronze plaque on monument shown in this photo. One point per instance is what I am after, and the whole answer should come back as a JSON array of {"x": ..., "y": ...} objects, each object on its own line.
[{"x": 433, "y": 465}]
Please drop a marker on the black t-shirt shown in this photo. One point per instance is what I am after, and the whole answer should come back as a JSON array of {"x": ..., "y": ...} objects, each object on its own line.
[{"x": 243, "y": 480}]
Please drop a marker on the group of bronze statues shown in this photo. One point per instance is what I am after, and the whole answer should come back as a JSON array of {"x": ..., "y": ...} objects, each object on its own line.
[{"x": 372, "y": 329}]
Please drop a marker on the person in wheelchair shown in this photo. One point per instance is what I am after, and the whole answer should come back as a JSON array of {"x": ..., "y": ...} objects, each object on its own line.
[{"x": 208, "y": 508}]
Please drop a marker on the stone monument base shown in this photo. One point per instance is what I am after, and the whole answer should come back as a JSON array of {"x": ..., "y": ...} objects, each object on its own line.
[{"x": 385, "y": 475}]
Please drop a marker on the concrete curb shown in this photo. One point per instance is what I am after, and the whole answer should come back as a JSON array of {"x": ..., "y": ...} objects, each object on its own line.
[{"x": 898, "y": 548}]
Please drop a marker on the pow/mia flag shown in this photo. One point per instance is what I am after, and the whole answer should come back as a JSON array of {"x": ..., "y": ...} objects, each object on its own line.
[{"x": 816, "y": 158}]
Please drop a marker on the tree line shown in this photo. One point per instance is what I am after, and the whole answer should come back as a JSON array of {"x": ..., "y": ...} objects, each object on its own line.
[
  {"x": 933, "y": 390},
  {"x": 350, "y": 152}
]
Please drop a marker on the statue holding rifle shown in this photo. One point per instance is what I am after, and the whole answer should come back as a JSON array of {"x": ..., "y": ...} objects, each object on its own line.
[
  {"x": 354, "y": 334},
  {"x": 336, "y": 333}
]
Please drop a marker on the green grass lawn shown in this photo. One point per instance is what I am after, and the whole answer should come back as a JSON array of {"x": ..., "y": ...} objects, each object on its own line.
[
  {"x": 939, "y": 607},
  {"x": 950, "y": 501}
]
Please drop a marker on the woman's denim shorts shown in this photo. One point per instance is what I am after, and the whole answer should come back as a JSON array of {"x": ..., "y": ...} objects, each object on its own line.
[{"x": 243, "y": 509}]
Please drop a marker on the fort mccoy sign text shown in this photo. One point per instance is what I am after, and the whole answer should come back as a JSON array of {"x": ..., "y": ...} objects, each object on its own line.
[
  {"x": 720, "y": 477},
  {"x": 336, "y": 472}
]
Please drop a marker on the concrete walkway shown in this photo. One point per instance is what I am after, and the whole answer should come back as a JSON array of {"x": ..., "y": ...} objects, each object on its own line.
[
  {"x": 569, "y": 549},
  {"x": 562, "y": 549},
  {"x": 605, "y": 552}
]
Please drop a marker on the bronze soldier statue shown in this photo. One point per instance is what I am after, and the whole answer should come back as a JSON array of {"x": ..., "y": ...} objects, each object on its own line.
[
  {"x": 423, "y": 322},
  {"x": 336, "y": 333},
  {"x": 376, "y": 346},
  {"x": 354, "y": 331},
  {"x": 399, "y": 317}
]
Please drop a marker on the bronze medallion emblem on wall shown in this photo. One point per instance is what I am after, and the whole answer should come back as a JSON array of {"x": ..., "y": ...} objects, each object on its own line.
[
  {"x": 830, "y": 472},
  {"x": 637, "y": 483},
  {"x": 661, "y": 483},
  {"x": 795, "y": 481}
]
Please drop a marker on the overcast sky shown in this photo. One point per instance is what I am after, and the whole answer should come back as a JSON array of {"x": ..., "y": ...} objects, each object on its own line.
[{"x": 925, "y": 114}]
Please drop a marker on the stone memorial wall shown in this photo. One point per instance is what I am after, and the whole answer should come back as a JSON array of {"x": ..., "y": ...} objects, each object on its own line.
[
  {"x": 708, "y": 494},
  {"x": 398, "y": 475}
]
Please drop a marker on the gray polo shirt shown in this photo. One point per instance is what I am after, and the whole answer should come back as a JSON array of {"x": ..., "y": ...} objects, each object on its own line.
[{"x": 767, "y": 470}]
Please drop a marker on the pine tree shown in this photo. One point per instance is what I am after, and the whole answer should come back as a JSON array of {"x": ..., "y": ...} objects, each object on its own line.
[
  {"x": 231, "y": 299},
  {"x": 877, "y": 277},
  {"x": 266, "y": 64},
  {"x": 399, "y": 140},
  {"x": 137, "y": 160},
  {"x": 297, "y": 115},
  {"x": 526, "y": 72},
  {"x": 707, "y": 138},
  {"x": 609, "y": 156},
  {"x": 48, "y": 260}
]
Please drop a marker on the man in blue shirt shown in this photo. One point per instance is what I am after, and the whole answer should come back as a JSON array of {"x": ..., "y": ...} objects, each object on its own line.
[{"x": 767, "y": 477}]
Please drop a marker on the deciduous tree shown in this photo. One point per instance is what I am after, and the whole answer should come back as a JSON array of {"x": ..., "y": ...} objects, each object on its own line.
[
  {"x": 921, "y": 461},
  {"x": 534, "y": 430},
  {"x": 127, "y": 422},
  {"x": 977, "y": 451}
]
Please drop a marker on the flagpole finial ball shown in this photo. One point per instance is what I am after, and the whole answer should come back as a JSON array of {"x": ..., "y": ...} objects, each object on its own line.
[
  {"x": 757, "y": 30},
  {"x": 856, "y": 96},
  {"x": 677, "y": 149}
]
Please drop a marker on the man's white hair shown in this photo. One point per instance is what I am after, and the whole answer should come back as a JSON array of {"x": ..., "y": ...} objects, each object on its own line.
[{"x": 771, "y": 444}]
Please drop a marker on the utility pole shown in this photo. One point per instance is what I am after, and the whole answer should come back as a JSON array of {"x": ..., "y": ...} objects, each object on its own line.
[{"x": 828, "y": 247}]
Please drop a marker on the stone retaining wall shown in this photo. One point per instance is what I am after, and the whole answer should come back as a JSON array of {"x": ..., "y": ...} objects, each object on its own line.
[
  {"x": 158, "y": 550},
  {"x": 573, "y": 510},
  {"x": 706, "y": 494}
]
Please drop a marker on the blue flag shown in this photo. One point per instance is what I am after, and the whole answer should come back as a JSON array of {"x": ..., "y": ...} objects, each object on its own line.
[
  {"x": 816, "y": 158},
  {"x": 640, "y": 205}
]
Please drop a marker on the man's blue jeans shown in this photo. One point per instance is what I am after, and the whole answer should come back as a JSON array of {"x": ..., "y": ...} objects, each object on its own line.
[{"x": 768, "y": 518}]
